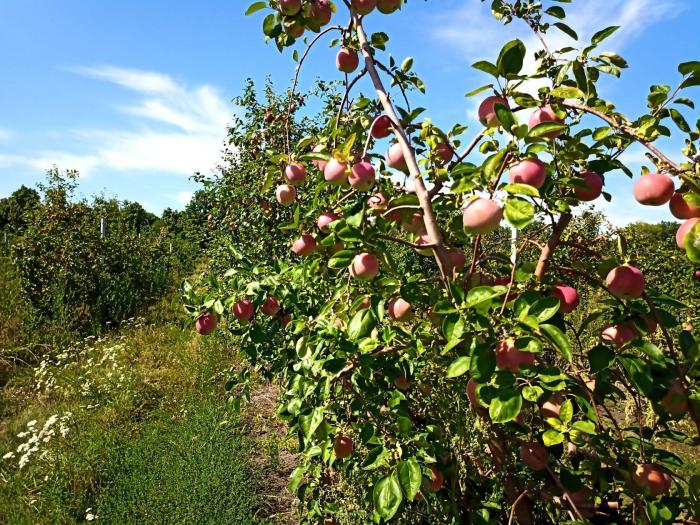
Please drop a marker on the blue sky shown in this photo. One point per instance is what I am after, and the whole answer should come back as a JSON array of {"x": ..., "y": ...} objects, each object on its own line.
[{"x": 136, "y": 95}]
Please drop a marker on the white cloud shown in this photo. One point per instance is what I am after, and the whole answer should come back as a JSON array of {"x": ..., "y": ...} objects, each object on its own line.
[
  {"x": 5, "y": 134},
  {"x": 183, "y": 197},
  {"x": 180, "y": 130}
]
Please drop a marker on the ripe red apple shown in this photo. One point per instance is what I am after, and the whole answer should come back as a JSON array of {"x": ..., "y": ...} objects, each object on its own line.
[
  {"x": 271, "y": 306},
  {"x": 534, "y": 455},
  {"x": 471, "y": 393},
  {"x": 545, "y": 114},
  {"x": 364, "y": 267},
  {"x": 286, "y": 319},
  {"x": 205, "y": 323},
  {"x": 653, "y": 189},
  {"x": 424, "y": 240},
  {"x": 681, "y": 208},
  {"x": 685, "y": 230},
  {"x": 653, "y": 478},
  {"x": 347, "y": 60},
  {"x": 336, "y": 172},
  {"x": 362, "y": 176},
  {"x": 320, "y": 164},
  {"x": 381, "y": 127},
  {"x": 243, "y": 310},
  {"x": 551, "y": 407},
  {"x": 286, "y": 195},
  {"x": 402, "y": 382},
  {"x": 444, "y": 153},
  {"x": 304, "y": 246},
  {"x": 487, "y": 113},
  {"x": 366, "y": 303},
  {"x": 529, "y": 171},
  {"x": 295, "y": 174},
  {"x": 482, "y": 216},
  {"x": 619, "y": 335},
  {"x": 377, "y": 203},
  {"x": 388, "y": 6},
  {"x": 343, "y": 446},
  {"x": 395, "y": 159},
  {"x": 675, "y": 401},
  {"x": 508, "y": 357},
  {"x": 696, "y": 274},
  {"x": 567, "y": 296},
  {"x": 289, "y": 7},
  {"x": 364, "y": 7},
  {"x": 400, "y": 309},
  {"x": 457, "y": 259},
  {"x": 625, "y": 282},
  {"x": 325, "y": 219},
  {"x": 593, "y": 186},
  {"x": 321, "y": 12},
  {"x": 414, "y": 223},
  {"x": 293, "y": 28},
  {"x": 436, "y": 480}
]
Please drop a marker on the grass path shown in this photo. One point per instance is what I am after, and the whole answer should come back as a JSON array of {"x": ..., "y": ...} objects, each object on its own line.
[{"x": 134, "y": 428}]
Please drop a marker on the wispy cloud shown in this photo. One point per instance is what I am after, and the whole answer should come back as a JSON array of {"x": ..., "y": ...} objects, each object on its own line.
[
  {"x": 5, "y": 134},
  {"x": 183, "y": 197},
  {"x": 177, "y": 129}
]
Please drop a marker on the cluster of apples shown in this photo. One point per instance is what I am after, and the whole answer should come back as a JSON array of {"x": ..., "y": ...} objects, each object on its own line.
[
  {"x": 298, "y": 14},
  {"x": 243, "y": 310}
]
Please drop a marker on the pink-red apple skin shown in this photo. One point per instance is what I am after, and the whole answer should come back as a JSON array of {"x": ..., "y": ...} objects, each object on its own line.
[
  {"x": 402, "y": 382},
  {"x": 551, "y": 407},
  {"x": 381, "y": 127},
  {"x": 320, "y": 164},
  {"x": 696, "y": 274},
  {"x": 457, "y": 259},
  {"x": 619, "y": 335},
  {"x": 206, "y": 323},
  {"x": 653, "y": 189},
  {"x": 364, "y": 267},
  {"x": 568, "y": 298},
  {"x": 289, "y": 7},
  {"x": 482, "y": 216},
  {"x": 682, "y": 209},
  {"x": 325, "y": 219},
  {"x": 471, "y": 393},
  {"x": 271, "y": 306},
  {"x": 444, "y": 153},
  {"x": 545, "y": 114},
  {"x": 508, "y": 357},
  {"x": 293, "y": 28},
  {"x": 347, "y": 60},
  {"x": 529, "y": 171},
  {"x": 626, "y": 282},
  {"x": 295, "y": 174},
  {"x": 653, "y": 478},
  {"x": 400, "y": 309},
  {"x": 304, "y": 246},
  {"x": 343, "y": 446},
  {"x": 388, "y": 6},
  {"x": 675, "y": 401},
  {"x": 243, "y": 310},
  {"x": 414, "y": 223},
  {"x": 395, "y": 159},
  {"x": 286, "y": 194},
  {"x": 437, "y": 479},
  {"x": 487, "y": 113},
  {"x": 593, "y": 186},
  {"x": 364, "y": 7},
  {"x": 684, "y": 230},
  {"x": 534, "y": 455},
  {"x": 321, "y": 12},
  {"x": 362, "y": 176},
  {"x": 336, "y": 172}
]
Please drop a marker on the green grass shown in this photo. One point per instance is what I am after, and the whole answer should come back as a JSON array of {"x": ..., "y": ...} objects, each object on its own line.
[{"x": 149, "y": 438}]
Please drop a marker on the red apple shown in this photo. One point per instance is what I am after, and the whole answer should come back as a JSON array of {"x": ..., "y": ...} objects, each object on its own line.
[
  {"x": 271, "y": 306},
  {"x": 377, "y": 203},
  {"x": 619, "y": 335},
  {"x": 457, "y": 260},
  {"x": 336, "y": 172},
  {"x": 293, "y": 28},
  {"x": 364, "y": 7},
  {"x": 567, "y": 296},
  {"x": 362, "y": 176},
  {"x": 289, "y": 7},
  {"x": 347, "y": 60},
  {"x": 534, "y": 455},
  {"x": 286, "y": 319},
  {"x": 675, "y": 401},
  {"x": 343, "y": 446},
  {"x": 286, "y": 195},
  {"x": 395, "y": 159},
  {"x": 366, "y": 303},
  {"x": 400, "y": 309},
  {"x": 295, "y": 174},
  {"x": 388, "y": 6},
  {"x": 444, "y": 153},
  {"x": 205, "y": 323},
  {"x": 321, "y": 12},
  {"x": 551, "y": 407},
  {"x": 685, "y": 230},
  {"x": 545, "y": 114},
  {"x": 529, "y": 171},
  {"x": 325, "y": 219},
  {"x": 304, "y": 246},
  {"x": 436, "y": 480},
  {"x": 402, "y": 382},
  {"x": 482, "y": 216},
  {"x": 364, "y": 267},
  {"x": 487, "y": 113},
  {"x": 381, "y": 127},
  {"x": 320, "y": 164},
  {"x": 471, "y": 393},
  {"x": 696, "y": 274},
  {"x": 681, "y": 208},
  {"x": 243, "y": 310},
  {"x": 652, "y": 478},
  {"x": 653, "y": 189},
  {"x": 593, "y": 186},
  {"x": 508, "y": 357},
  {"x": 625, "y": 281},
  {"x": 414, "y": 223}
]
